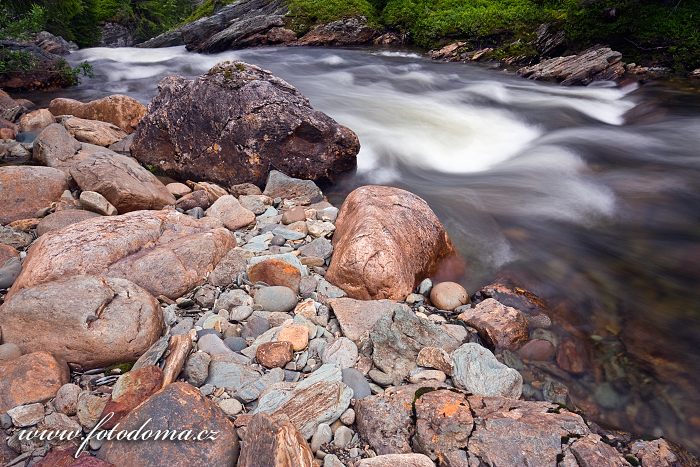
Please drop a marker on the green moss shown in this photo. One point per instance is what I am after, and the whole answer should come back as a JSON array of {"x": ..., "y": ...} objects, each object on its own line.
[
  {"x": 207, "y": 8},
  {"x": 304, "y": 14}
]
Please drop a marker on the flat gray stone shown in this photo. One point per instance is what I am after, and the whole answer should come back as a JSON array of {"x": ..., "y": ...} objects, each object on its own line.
[{"x": 476, "y": 370}]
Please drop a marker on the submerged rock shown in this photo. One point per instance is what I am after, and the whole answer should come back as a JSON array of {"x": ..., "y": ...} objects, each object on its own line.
[{"x": 237, "y": 122}]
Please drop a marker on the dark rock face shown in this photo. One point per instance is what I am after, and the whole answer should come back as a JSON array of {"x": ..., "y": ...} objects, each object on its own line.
[
  {"x": 344, "y": 32},
  {"x": 54, "y": 44},
  {"x": 550, "y": 40},
  {"x": 46, "y": 74},
  {"x": 594, "y": 64},
  {"x": 244, "y": 23},
  {"x": 116, "y": 35},
  {"x": 235, "y": 124}
]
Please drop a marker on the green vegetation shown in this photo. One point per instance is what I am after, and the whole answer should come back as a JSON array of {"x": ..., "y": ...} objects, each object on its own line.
[
  {"x": 207, "y": 8},
  {"x": 306, "y": 13}
]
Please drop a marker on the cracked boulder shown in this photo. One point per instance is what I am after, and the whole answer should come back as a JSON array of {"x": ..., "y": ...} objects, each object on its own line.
[
  {"x": 594, "y": 64},
  {"x": 235, "y": 124},
  {"x": 386, "y": 241},
  {"x": 87, "y": 321},
  {"x": 165, "y": 252}
]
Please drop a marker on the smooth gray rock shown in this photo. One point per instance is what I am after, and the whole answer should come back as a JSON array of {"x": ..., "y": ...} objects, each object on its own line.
[
  {"x": 251, "y": 391},
  {"x": 233, "y": 298},
  {"x": 224, "y": 373},
  {"x": 255, "y": 327},
  {"x": 197, "y": 368},
  {"x": 476, "y": 370},
  {"x": 320, "y": 247},
  {"x": 276, "y": 298},
  {"x": 342, "y": 352},
  {"x": 358, "y": 383},
  {"x": 322, "y": 435}
]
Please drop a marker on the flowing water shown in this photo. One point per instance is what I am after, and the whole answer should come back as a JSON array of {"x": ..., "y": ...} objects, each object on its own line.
[{"x": 589, "y": 197}]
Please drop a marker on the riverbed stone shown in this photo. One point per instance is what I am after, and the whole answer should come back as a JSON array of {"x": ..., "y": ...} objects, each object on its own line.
[
  {"x": 274, "y": 354},
  {"x": 122, "y": 111},
  {"x": 537, "y": 350},
  {"x": 231, "y": 213},
  {"x": 343, "y": 352},
  {"x": 197, "y": 368},
  {"x": 230, "y": 267},
  {"x": 34, "y": 377},
  {"x": 164, "y": 252},
  {"x": 358, "y": 317},
  {"x": 476, "y": 369},
  {"x": 26, "y": 415},
  {"x": 95, "y": 202},
  {"x": 275, "y": 271},
  {"x": 66, "y": 400},
  {"x": 357, "y": 382},
  {"x": 59, "y": 219},
  {"x": 448, "y": 295},
  {"x": 35, "y": 121},
  {"x": 93, "y": 131},
  {"x": 192, "y": 411},
  {"x": 131, "y": 389},
  {"x": 192, "y": 117},
  {"x": 500, "y": 326},
  {"x": 24, "y": 190},
  {"x": 230, "y": 374},
  {"x": 397, "y": 339},
  {"x": 444, "y": 423},
  {"x": 276, "y": 298},
  {"x": 386, "y": 241},
  {"x": 273, "y": 440},
  {"x": 110, "y": 320},
  {"x": 319, "y": 247},
  {"x": 295, "y": 334},
  {"x": 392, "y": 460}
]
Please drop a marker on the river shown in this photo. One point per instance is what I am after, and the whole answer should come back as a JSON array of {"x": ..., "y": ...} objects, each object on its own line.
[{"x": 589, "y": 197}]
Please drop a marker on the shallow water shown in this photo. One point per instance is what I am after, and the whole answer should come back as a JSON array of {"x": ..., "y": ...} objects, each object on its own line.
[{"x": 589, "y": 197}]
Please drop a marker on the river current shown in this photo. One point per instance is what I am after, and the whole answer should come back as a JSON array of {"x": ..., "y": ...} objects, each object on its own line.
[{"x": 589, "y": 197}]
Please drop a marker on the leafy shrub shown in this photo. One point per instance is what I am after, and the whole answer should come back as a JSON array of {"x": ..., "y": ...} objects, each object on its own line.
[{"x": 306, "y": 13}]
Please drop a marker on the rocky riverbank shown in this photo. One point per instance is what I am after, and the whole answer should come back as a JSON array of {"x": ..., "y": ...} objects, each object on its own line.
[{"x": 228, "y": 296}]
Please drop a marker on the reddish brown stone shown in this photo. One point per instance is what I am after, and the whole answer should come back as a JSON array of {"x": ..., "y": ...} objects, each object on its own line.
[
  {"x": 275, "y": 272},
  {"x": 26, "y": 189},
  {"x": 500, "y": 326},
  {"x": 60, "y": 219},
  {"x": 35, "y": 121},
  {"x": 538, "y": 350},
  {"x": 196, "y": 199},
  {"x": 180, "y": 407},
  {"x": 571, "y": 356},
  {"x": 274, "y": 441},
  {"x": 178, "y": 350},
  {"x": 35, "y": 377},
  {"x": 131, "y": 389},
  {"x": 165, "y": 252},
  {"x": 7, "y": 253},
  {"x": 122, "y": 111},
  {"x": 274, "y": 354},
  {"x": 443, "y": 423},
  {"x": 386, "y": 241}
]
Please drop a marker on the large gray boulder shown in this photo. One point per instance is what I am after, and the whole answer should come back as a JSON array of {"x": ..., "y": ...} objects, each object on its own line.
[{"x": 235, "y": 124}]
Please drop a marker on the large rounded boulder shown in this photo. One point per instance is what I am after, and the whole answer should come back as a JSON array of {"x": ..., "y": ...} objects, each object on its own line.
[
  {"x": 386, "y": 241},
  {"x": 88, "y": 321},
  {"x": 235, "y": 124},
  {"x": 24, "y": 190}
]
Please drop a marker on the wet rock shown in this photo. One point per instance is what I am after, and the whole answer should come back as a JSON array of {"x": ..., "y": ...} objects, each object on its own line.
[
  {"x": 122, "y": 111},
  {"x": 444, "y": 423},
  {"x": 594, "y": 64},
  {"x": 298, "y": 140},
  {"x": 274, "y": 441},
  {"x": 121, "y": 180},
  {"x": 184, "y": 403},
  {"x": 391, "y": 460},
  {"x": 344, "y": 32},
  {"x": 59, "y": 219},
  {"x": 274, "y": 354},
  {"x": 572, "y": 357},
  {"x": 24, "y": 190},
  {"x": 538, "y": 350},
  {"x": 130, "y": 390},
  {"x": 165, "y": 252},
  {"x": 110, "y": 320},
  {"x": 35, "y": 121},
  {"x": 93, "y": 131},
  {"x": 231, "y": 213},
  {"x": 276, "y": 298},
  {"x": 386, "y": 238},
  {"x": 500, "y": 326},
  {"x": 550, "y": 40},
  {"x": 476, "y": 370},
  {"x": 399, "y": 337},
  {"x": 448, "y": 295},
  {"x": 97, "y": 203},
  {"x": 386, "y": 421}
]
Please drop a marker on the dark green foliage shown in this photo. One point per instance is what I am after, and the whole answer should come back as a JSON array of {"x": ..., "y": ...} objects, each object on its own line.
[{"x": 306, "y": 13}]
